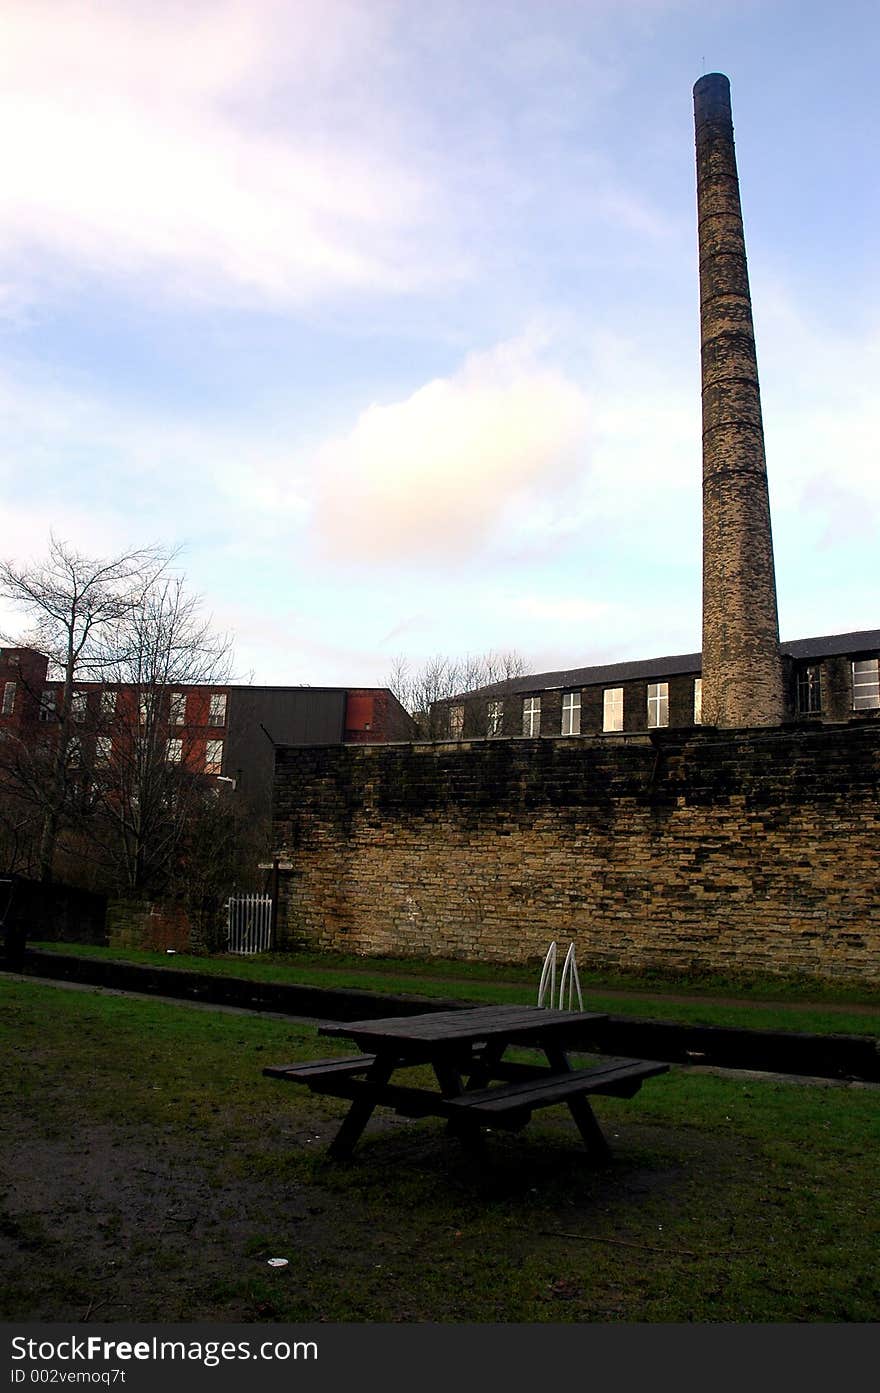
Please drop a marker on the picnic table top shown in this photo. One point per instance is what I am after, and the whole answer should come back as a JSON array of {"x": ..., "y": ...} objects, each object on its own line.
[{"x": 460, "y": 1027}]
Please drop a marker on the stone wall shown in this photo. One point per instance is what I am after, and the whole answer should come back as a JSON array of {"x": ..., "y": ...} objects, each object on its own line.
[
  {"x": 743, "y": 851},
  {"x": 156, "y": 927}
]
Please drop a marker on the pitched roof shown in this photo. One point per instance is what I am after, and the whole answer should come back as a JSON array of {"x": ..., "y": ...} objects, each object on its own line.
[{"x": 862, "y": 641}]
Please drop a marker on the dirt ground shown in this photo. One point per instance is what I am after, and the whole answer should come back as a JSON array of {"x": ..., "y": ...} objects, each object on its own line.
[{"x": 111, "y": 1226}]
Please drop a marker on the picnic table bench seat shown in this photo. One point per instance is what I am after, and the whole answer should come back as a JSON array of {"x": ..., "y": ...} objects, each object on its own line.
[
  {"x": 621, "y": 1078},
  {"x": 315, "y": 1072},
  {"x": 530, "y": 1087}
]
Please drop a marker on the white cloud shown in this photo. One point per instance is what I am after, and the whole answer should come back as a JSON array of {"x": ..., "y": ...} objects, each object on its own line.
[
  {"x": 819, "y": 398},
  {"x": 556, "y": 609},
  {"x": 98, "y": 470},
  {"x": 258, "y": 152},
  {"x": 433, "y": 476},
  {"x": 177, "y": 139}
]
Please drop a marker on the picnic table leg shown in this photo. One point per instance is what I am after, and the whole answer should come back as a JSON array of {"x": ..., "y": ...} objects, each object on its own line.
[
  {"x": 589, "y": 1129},
  {"x": 361, "y": 1110},
  {"x": 451, "y": 1086},
  {"x": 482, "y": 1070},
  {"x": 583, "y": 1114}
]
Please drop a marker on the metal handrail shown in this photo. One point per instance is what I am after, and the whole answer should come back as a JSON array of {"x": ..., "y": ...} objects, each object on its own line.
[
  {"x": 548, "y": 970},
  {"x": 570, "y": 978}
]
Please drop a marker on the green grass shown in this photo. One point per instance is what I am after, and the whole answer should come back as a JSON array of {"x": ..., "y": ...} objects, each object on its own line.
[
  {"x": 153, "y": 1170},
  {"x": 757, "y": 1008},
  {"x": 278, "y": 966}
]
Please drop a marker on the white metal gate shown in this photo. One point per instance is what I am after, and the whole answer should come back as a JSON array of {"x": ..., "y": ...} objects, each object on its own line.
[{"x": 249, "y": 924}]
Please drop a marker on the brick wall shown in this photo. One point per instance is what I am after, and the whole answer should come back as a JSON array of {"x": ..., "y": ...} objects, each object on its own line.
[
  {"x": 375, "y": 714},
  {"x": 752, "y": 851},
  {"x": 140, "y": 924}
]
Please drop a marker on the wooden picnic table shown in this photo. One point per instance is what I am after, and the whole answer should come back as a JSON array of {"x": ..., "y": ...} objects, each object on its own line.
[{"x": 466, "y": 1049}]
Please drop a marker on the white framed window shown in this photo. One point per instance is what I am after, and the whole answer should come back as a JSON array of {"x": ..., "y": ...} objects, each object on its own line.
[
  {"x": 698, "y": 701},
  {"x": 658, "y": 705},
  {"x": 48, "y": 704},
  {"x": 809, "y": 690},
  {"x": 217, "y": 714},
  {"x": 213, "y": 756},
  {"x": 108, "y": 703},
  {"x": 612, "y": 708},
  {"x": 74, "y": 754},
  {"x": 456, "y": 722},
  {"x": 532, "y": 715},
  {"x": 145, "y": 708},
  {"x": 79, "y": 706},
  {"x": 494, "y": 718},
  {"x": 177, "y": 708},
  {"x": 866, "y": 684},
  {"x": 9, "y": 697},
  {"x": 175, "y": 751},
  {"x": 103, "y": 749},
  {"x": 571, "y": 713}
]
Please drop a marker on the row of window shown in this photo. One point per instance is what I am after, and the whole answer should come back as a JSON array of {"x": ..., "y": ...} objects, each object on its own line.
[
  {"x": 612, "y": 711},
  {"x": 213, "y": 754},
  {"x": 865, "y": 697},
  {"x": 173, "y": 754},
  {"x": 79, "y": 706},
  {"x": 865, "y": 687}
]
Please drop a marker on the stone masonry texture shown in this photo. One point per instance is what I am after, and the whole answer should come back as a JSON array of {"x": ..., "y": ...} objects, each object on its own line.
[
  {"x": 742, "y": 681},
  {"x": 744, "y": 851}
]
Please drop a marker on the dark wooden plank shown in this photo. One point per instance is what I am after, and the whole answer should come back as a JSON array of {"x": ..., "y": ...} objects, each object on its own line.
[
  {"x": 313, "y": 1070},
  {"x": 445, "y": 1024},
  {"x": 520, "y": 1097},
  {"x": 405, "y": 1099},
  {"x": 447, "y": 1028},
  {"x": 410, "y": 1101},
  {"x": 558, "y": 1088}
]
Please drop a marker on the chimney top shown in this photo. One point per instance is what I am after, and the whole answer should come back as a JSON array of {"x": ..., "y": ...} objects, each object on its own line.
[{"x": 712, "y": 99}]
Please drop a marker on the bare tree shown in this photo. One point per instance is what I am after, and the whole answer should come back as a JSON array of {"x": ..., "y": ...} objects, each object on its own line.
[
  {"x": 222, "y": 845},
  {"x": 72, "y": 600},
  {"x": 425, "y": 692},
  {"x": 151, "y": 782}
]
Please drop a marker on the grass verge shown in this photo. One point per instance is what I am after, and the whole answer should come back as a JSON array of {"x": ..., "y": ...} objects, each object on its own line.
[
  {"x": 504, "y": 983},
  {"x": 153, "y": 1171}
]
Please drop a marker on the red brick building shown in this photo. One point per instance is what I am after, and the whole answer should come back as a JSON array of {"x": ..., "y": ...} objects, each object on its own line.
[{"x": 225, "y": 732}]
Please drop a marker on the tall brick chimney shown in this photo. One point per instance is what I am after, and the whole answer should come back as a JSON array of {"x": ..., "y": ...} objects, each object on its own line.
[{"x": 742, "y": 672}]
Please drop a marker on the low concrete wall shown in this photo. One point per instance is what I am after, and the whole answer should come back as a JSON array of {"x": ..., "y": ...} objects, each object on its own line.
[{"x": 319, "y": 1003}]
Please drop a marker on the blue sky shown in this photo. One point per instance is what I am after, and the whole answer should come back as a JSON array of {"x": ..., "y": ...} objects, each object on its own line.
[{"x": 387, "y": 313}]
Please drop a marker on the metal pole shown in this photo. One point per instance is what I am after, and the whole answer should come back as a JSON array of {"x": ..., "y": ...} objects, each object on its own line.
[{"x": 273, "y": 931}]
